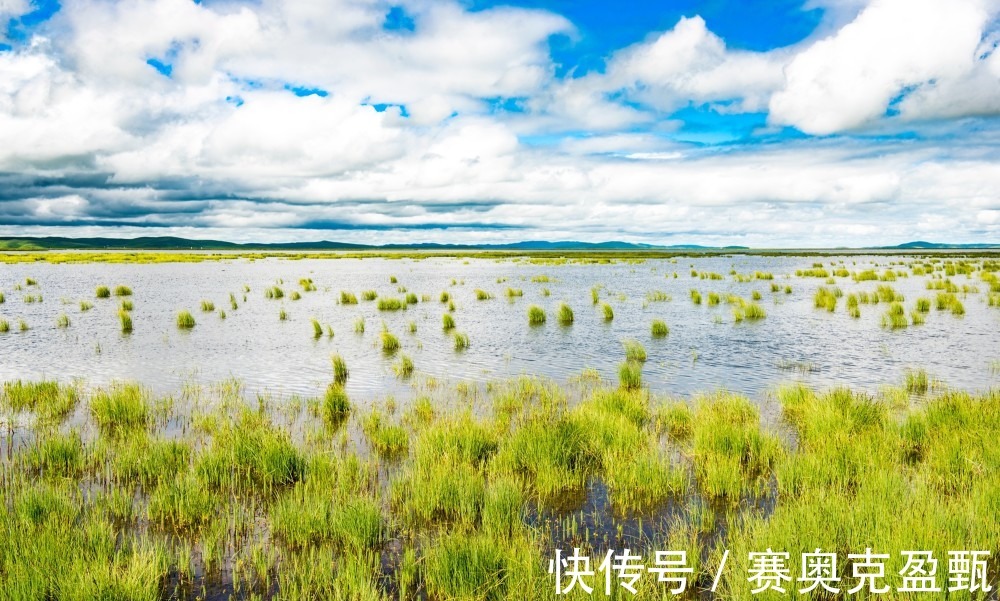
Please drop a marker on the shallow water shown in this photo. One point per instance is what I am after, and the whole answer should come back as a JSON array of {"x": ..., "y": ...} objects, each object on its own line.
[{"x": 705, "y": 349}]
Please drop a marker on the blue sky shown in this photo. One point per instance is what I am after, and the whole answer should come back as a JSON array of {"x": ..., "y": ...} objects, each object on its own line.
[{"x": 777, "y": 124}]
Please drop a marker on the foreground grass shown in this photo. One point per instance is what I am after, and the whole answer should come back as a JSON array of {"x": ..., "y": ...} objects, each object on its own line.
[{"x": 121, "y": 495}]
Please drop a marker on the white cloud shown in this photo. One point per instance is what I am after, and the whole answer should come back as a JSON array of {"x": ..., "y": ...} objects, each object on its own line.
[{"x": 850, "y": 78}]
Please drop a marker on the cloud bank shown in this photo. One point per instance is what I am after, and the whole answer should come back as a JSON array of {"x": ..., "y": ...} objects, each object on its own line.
[{"x": 360, "y": 120}]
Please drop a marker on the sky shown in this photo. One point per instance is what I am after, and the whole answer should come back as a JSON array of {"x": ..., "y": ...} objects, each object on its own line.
[{"x": 780, "y": 123}]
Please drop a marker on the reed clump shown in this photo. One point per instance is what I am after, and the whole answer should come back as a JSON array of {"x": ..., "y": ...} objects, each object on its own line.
[
  {"x": 536, "y": 315},
  {"x": 185, "y": 320},
  {"x": 659, "y": 328},
  {"x": 565, "y": 314}
]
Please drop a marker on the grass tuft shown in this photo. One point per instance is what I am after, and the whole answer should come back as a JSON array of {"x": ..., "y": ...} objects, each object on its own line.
[
  {"x": 185, "y": 320},
  {"x": 659, "y": 328}
]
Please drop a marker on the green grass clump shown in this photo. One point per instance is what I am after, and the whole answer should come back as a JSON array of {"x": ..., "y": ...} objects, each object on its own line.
[
  {"x": 359, "y": 325},
  {"x": 348, "y": 298},
  {"x": 50, "y": 400},
  {"x": 336, "y": 404},
  {"x": 125, "y": 321},
  {"x": 483, "y": 295},
  {"x": 185, "y": 320},
  {"x": 274, "y": 292},
  {"x": 388, "y": 440},
  {"x": 123, "y": 291},
  {"x": 514, "y": 292},
  {"x": 369, "y": 295},
  {"x": 282, "y": 314},
  {"x": 825, "y": 299},
  {"x": 565, "y": 314},
  {"x": 103, "y": 292},
  {"x": 753, "y": 311},
  {"x": 127, "y": 305},
  {"x": 445, "y": 297},
  {"x": 390, "y": 344},
  {"x": 659, "y": 328},
  {"x": 4, "y": 326},
  {"x": 536, "y": 315},
  {"x": 317, "y": 327},
  {"x": 22, "y": 325},
  {"x": 447, "y": 322},
  {"x": 340, "y": 371},
  {"x": 695, "y": 297},
  {"x": 182, "y": 503},
  {"x": 895, "y": 317},
  {"x": 923, "y": 305},
  {"x": 630, "y": 375},
  {"x": 404, "y": 367},
  {"x": 713, "y": 299},
  {"x": 917, "y": 381},
  {"x": 634, "y": 351},
  {"x": 251, "y": 455},
  {"x": 888, "y": 294},
  {"x": 121, "y": 408},
  {"x": 609, "y": 313},
  {"x": 295, "y": 295},
  {"x": 62, "y": 321},
  {"x": 411, "y": 298},
  {"x": 207, "y": 306},
  {"x": 390, "y": 304},
  {"x": 461, "y": 341}
]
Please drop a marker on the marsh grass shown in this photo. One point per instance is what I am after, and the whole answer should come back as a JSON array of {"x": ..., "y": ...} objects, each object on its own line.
[
  {"x": 917, "y": 381},
  {"x": 411, "y": 298},
  {"x": 3, "y": 299},
  {"x": 713, "y": 299},
  {"x": 514, "y": 292},
  {"x": 207, "y": 306},
  {"x": 336, "y": 404},
  {"x": 659, "y": 328},
  {"x": 825, "y": 299},
  {"x": 127, "y": 305},
  {"x": 565, "y": 314},
  {"x": 121, "y": 408},
  {"x": 185, "y": 320},
  {"x": 630, "y": 375},
  {"x": 461, "y": 341},
  {"x": 22, "y": 325},
  {"x": 274, "y": 292},
  {"x": 388, "y": 440},
  {"x": 391, "y": 304},
  {"x": 895, "y": 317},
  {"x": 348, "y": 298},
  {"x": 753, "y": 312},
  {"x": 483, "y": 295},
  {"x": 695, "y": 297},
  {"x": 389, "y": 341},
  {"x": 536, "y": 315},
  {"x": 48, "y": 399},
  {"x": 4, "y": 326},
  {"x": 359, "y": 325},
  {"x": 609, "y": 312},
  {"x": 62, "y": 321},
  {"x": 634, "y": 351},
  {"x": 282, "y": 314},
  {"x": 369, "y": 295},
  {"x": 404, "y": 367},
  {"x": 317, "y": 328},
  {"x": 125, "y": 321},
  {"x": 123, "y": 291},
  {"x": 340, "y": 371},
  {"x": 295, "y": 295},
  {"x": 447, "y": 322},
  {"x": 103, "y": 292}
]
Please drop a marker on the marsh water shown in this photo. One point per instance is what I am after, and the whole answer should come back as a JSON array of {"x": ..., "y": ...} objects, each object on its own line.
[{"x": 705, "y": 350}]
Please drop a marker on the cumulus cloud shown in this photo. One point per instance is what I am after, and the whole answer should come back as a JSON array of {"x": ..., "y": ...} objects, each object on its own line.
[{"x": 284, "y": 119}]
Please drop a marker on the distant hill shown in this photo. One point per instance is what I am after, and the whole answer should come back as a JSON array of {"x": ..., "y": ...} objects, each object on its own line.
[
  {"x": 920, "y": 245},
  {"x": 25, "y": 243},
  {"x": 174, "y": 243}
]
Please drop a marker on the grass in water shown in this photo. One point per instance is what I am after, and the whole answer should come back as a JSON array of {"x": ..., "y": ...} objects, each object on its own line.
[
  {"x": 125, "y": 321},
  {"x": 185, "y": 320},
  {"x": 282, "y": 314},
  {"x": 565, "y": 314},
  {"x": 514, "y": 292},
  {"x": 403, "y": 367},
  {"x": 609, "y": 313},
  {"x": 359, "y": 325},
  {"x": 336, "y": 405},
  {"x": 917, "y": 381},
  {"x": 103, "y": 292},
  {"x": 461, "y": 341},
  {"x": 348, "y": 298},
  {"x": 4, "y": 326},
  {"x": 62, "y": 321},
  {"x": 369, "y": 295},
  {"x": 895, "y": 317},
  {"x": 630, "y": 375},
  {"x": 390, "y": 344},
  {"x": 390, "y": 304},
  {"x": 121, "y": 408},
  {"x": 483, "y": 295},
  {"x": 207, "y": 306},
  {"x": 340, "y": 371},
  {"x": 447, "y": 322},
  {"x": 317, "y": 328},
  {"x": 123, "y": 291},
  {"x": 659, "y": 328},
  {"x": 536, "y": 315},
  {"x": 634, "y": 351}
]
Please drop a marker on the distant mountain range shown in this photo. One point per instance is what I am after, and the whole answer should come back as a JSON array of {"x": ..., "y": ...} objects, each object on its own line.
[{"x": 174, "y": 243}]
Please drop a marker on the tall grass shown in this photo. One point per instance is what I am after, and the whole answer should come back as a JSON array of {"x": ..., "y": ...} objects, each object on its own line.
[
  {"x": 447, "y": 322},
  {"x": 340, "y": 371},
  {"x": 121, "y": 408},
  {"x": 404, "y": 367},
  {"x": 62, "y": 321},
  {"x": 536, "y": 315},
  {"x": 185, "y": 320},
  {"x": 317, "y": 328},
  {"x": 461, "y": 341},
  {"x": 659, "y": 328},
  {"x": 103, "y": 292},
  {"x": 630, "y": 375},
  {"x": 207, "y": 306},
  {"x": 565, "y": 314},
  {"x": 123, "y": 291},
  {"x": 389, "y": 341},
  {"x": 634, "y": 351},
  {"x": 390, "y": 304},
  {"x": 348, "y": 298},
  {"x": 125, "y": 321},
  {"x": 609, "y": 313},
  {"x": 369, "y": 295},
  {"x": 336, "y": 404}
]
